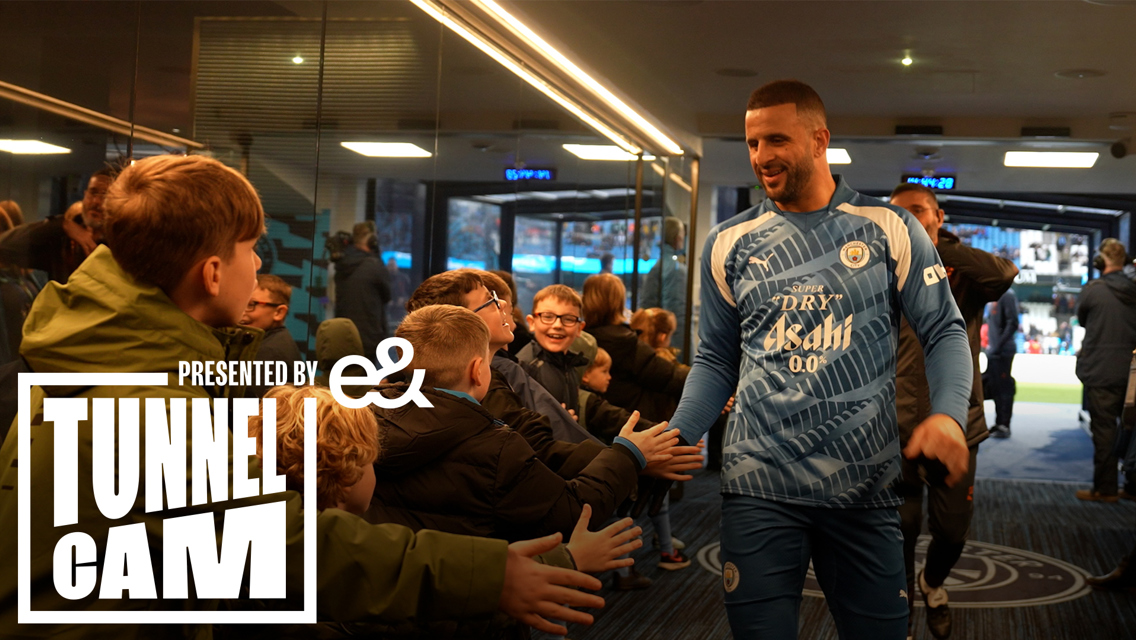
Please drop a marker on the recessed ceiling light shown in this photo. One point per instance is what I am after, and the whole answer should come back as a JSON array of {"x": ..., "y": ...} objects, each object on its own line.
[
  {"x": 31, "y": 147},
  {"x": 732, "y": 72},
  {"x": 298, "y": 60},
  {"x": 906, "y": 61},
  {"x": 1051, "y": 159},
  {"x": 838, "y": 156},
  {"x": 1079, "y": 74},
  {"x": 602, "y": 152},
  {"x": 387, "y": 149}
]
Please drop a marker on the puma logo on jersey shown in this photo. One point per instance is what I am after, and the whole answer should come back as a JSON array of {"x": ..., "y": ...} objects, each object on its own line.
[{"x": 764, "y": 263}]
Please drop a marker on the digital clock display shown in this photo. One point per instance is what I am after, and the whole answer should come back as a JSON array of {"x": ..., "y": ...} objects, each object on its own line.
[
  {"x": 938, "y": 183},
  {"x": 513, "y": 175}
]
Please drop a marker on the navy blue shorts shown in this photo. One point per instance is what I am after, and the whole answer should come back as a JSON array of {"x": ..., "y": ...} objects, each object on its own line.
[{"x": 857, "y": 555}]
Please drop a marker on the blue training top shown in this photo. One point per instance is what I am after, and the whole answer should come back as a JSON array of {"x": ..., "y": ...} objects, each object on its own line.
[{"x": 800, "y": 315}]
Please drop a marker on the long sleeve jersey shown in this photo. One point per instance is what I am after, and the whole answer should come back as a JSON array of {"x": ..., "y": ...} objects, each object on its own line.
[{"x": 800, "y": 316}]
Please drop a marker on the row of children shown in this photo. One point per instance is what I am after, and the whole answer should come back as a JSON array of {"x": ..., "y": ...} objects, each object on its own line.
[{"x": 462, "y": 491}]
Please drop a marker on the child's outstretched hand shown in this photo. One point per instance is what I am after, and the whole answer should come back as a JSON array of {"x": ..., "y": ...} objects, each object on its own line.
[
  {"x": 600, "y": 551},
  {"x": 653, "y": 442}
]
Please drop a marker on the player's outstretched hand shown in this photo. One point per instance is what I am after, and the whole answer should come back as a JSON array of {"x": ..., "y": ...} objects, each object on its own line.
[
  {"x": 652, "y": 443},
  {"x": 595, "y": 552},
  {"x": 534, "y": 592},
  {"x": 682, "y": 459},
  {"x": 940, "y": 438}
]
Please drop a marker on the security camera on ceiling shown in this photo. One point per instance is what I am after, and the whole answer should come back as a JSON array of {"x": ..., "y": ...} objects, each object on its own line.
[{"x": 1119, "y": 148}]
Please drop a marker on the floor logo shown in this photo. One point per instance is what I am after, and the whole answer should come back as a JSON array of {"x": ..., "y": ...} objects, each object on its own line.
[{"x": 987, "y": 576}]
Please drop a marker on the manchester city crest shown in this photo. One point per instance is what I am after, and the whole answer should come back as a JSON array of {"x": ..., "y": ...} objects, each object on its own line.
[{"x": 855, "y": 254}]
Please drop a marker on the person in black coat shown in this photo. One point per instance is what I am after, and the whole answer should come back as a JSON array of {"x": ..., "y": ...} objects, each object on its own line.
[
  {"x": 1107, "y": 311},
  {"x": 1002, "y": 324},
  {"x": 362, "y": 288},
  {"x": 636, "y": 368}
]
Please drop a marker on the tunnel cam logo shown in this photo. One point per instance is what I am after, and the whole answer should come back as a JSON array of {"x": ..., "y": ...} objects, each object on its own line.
[
  {"x": 855, "y": 254},
  {"x": 987, "y": 576}
]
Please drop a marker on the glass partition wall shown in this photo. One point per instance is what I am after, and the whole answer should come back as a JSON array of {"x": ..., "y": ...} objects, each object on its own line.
[{"x": 341, "y": 113}]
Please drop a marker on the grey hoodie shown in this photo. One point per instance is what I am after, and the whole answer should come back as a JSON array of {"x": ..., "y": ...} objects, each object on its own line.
[{"x": 1107, "y": 311}]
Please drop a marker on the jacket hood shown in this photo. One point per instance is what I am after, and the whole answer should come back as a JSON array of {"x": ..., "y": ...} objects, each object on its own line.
[
  {"x": 352, "y": 258},
  {"x": 103, "y": 320},
  {"x": 412, "y": 436},
  {"x": 337, "y": 338},
  {"x": 1122, "y": 287}
]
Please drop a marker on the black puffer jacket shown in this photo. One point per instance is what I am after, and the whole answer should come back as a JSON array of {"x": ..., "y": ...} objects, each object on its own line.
[
  {"x": 1107, "y": 311},
  {"x": 636, "y": 368},
  {"x": 455, "y": 468},
  {"x": 362, "y": 291}
]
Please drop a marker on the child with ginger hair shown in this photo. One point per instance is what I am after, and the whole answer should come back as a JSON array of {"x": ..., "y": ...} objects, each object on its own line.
[{"x": 347, "y": 445}]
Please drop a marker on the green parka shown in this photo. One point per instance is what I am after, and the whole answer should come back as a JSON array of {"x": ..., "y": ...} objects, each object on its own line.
[{"x": 104, "y": 321}]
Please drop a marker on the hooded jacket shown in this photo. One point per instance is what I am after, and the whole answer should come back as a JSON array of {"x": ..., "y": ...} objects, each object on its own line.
[
  {"x": 976, "y": 278},
  {"x": 635, "y": 368},
  {"x": 456, "y": 468},
  {"x": 1107, "y": 311},
  {"x": 104, "y": 321},
  {"x": 362, "y": 291}
]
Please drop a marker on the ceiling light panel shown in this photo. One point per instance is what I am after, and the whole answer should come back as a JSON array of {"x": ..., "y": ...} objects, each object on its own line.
[
  {"x": 838, "y": 156},
  {"x": 1051, "y": 159},
  {"x": 491, "y": 50},
  {"x": 31, "y": 147},
  {"x": 602, "y": 152},
  {"x": 387, "y": 149},
  {"x": 522, "y": 31}
]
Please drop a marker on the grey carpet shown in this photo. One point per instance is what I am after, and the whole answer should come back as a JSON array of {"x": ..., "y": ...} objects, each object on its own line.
[{"x": 1039, "y": 517}]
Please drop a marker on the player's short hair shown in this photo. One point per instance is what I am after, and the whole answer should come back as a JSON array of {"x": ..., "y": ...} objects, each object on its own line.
[
  {"x": 446, "y": 338},
  {"x": 1113, "y": 252},
  {"x": 808, "y": 102},
  {"x": 672, "y": 226},
  {"x": 653, "y": 322},
  {"x": 448, "y": 287},
  {"x": 164, "y": 214},
  {"x": 507, "y": 278},
  {"x": 361, "y": 233},
  {"x": 346, "y": 442},
  {"x": 908, "y": 187},
  {"x": 561, "y": 292},
  {"x": 497, "y": 284},
  {"x": 602, "y": 358},
  {"x": 604, "y": 296},
  {"x": 281, "y": 292}
]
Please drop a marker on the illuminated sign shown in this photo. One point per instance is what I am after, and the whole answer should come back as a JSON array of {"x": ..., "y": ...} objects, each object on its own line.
[
  {"x": 513, "y": 175},
  {"x": 938, "y": 183}
]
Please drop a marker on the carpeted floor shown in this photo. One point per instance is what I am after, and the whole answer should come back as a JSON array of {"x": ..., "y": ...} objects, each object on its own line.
[
  {"x": 1047, "y": 443},
  {"x": 1014, "y": 522}
]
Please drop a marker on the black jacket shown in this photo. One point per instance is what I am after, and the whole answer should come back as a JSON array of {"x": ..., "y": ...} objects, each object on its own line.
[
  {"x": 277, "y": 346},
  {"x": 636, "y": 368},
  {"x": 1107, "y": 311},
  {"x": 976, "y": 278},
  {"x": 565, "y": 458},
  {"x": 1002, "y": 325},
  {"x": 456, "y": 468},
  {"x": 42, "y": 245},
  {"x": 362, "y": 291},
  {"x": 603, "y": 419},
  {"x": 556, "y": 372}
]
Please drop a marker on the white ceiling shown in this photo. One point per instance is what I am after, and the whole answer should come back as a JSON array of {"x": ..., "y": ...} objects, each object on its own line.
[{"x": 982, "y": 70}]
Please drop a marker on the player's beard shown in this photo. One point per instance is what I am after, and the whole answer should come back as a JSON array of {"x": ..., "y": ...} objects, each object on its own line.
[{"x": 797, "y": 178}]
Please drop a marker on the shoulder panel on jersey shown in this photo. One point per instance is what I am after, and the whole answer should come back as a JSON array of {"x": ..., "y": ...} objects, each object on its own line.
[
  {"x": 724, "y": 243},
  {"x": 896, "y": 231}
]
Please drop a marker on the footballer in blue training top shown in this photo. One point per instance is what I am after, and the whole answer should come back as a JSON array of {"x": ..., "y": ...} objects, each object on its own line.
[{"x": 801, "y": 301}]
